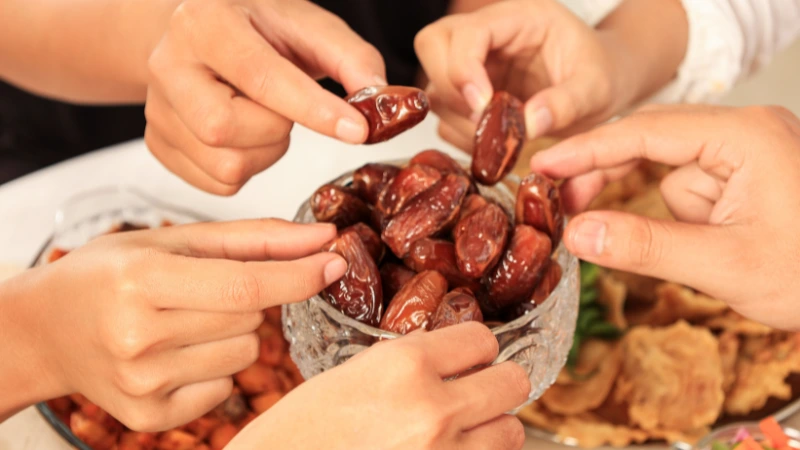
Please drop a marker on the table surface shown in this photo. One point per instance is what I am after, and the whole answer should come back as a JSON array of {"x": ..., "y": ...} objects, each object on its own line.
[{"x": 27, "y": 208}]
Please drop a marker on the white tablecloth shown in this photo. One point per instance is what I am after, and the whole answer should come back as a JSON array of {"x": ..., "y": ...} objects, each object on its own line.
[{"x": 27, "y": 207}]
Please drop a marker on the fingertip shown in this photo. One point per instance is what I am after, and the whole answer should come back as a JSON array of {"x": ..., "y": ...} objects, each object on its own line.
[
  {"x": 585, "y": 236},
  {"x": 352, "y": 130},
  {"x": 538, "y": 119},
  {"x": 334, "y": 269}
]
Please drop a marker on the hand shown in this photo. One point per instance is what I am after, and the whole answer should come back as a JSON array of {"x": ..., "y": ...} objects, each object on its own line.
[
  {"x": 569, "y": 75},
  {"x": 392, "y": 397},
  {"x": 151, "y": 325},
  {"x": 734, "y": 195},
  {"x": 230, "y": 77}
]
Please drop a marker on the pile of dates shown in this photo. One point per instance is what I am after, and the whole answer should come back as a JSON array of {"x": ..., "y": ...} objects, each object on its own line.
[{"x": 425, "y": 249}]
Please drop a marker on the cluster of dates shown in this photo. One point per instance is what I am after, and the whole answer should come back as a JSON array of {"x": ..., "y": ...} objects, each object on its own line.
[{"x": 426, "y": 250}]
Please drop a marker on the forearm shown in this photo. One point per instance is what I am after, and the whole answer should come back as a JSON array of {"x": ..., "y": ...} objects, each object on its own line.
[
  {"x": 24, "y": 377},
  {"x": 647, "y": 41},
  {"x": 87, "y": 51}
]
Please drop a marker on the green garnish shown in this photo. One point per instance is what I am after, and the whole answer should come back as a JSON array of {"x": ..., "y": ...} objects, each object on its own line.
[{"x": 716, "y": 445}]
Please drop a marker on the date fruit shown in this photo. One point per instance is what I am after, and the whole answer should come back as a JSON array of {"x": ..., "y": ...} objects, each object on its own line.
[
  {"x": 358, "y": 294},
  {"x": 338, "y": 205},
  {"x": 393, "y": 278},
  {"x": 480, "y": 239},
  {"x": 539, "y": 205},
  {"x": 439, "y": 255},
  {"x": 407, "y": 184},
  {"x": 370, "y": 238},
  {"x": 498, "y": 139},
  {"x": 370, "y": 180},
  {"x": 548, "y": 283},
  {"x": 457, "y": 306},
  {"x": 514, "y": 278},
  {"x": 390, "y": 110},
  {"x": 472, "y": 203},
  {"x": 440, "y": 161},
  {"x": 428, "y": 214},
  {"x": 413, "y": 306}
]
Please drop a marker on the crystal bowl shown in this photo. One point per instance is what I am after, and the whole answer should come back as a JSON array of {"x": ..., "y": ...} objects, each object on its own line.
[
  {"x": 321, "y": 337},
  {"x": 728, "y": 433}
]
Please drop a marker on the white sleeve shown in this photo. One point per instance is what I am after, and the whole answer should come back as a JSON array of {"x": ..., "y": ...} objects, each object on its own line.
[{"x": 729, "y": 40}]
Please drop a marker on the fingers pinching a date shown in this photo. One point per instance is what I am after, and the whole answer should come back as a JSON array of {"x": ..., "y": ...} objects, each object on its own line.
[{"x": 425, "y": 248}]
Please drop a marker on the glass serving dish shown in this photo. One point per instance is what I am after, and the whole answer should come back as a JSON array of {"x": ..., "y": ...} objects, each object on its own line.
[
  {"x": 321, "y": 337},
  {"x": 89, "y": 215},
  {"x": 728, "y": 433}
]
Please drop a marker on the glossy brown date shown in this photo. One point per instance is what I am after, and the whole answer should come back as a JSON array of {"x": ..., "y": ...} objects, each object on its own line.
[
  {"x": 370, "y": 180},
  {"x": 413, "y": 306},
  {"x": 472, "y": 203},
  {"x": 407, "y": 184},
  {"x": 443, "y": 163},
  {"x": 358, "y": 294},
  {"x": 458, "y": 306},
  {"x": 480, "y": 239},
  {"x": 539, "y": 205},
  {"x": 390, "y": 110},
  {"x": 519, "y": 270},
  {"x": 548, "y": 283},
  {"x": 428, "y": 214},
  {"x": 498, "y": 139},
  {"x": 370, "y": 239},
  {"x": 393, "y": 278},
  {"x": 338, "y": 205},
  {"x": 439, "y": 255}
]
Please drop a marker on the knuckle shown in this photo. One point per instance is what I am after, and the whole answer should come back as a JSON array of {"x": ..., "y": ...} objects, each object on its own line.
[
  {"x": 249, "y": 350},
  {"x": 647, "y": 244},
  {"x": 128, "y": 343},
  {"x": 142, "y": 419},
  {"x": 424, "y": 37},
  {"x": 244, "y": 292},
  {"x": 410, "y": 359},
  {"x": 233, "y": 169},
  {"x": 224, "y": 190},
  {"x": 515, "y": 433},
  {"x": 484, "y": 339},
  {"x": 215, "y": 125},
  {"x": 518, "y": 378},
  {"x": 137, "y": 383}
]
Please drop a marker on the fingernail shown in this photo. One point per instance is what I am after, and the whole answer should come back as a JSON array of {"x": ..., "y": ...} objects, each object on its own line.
[
  {"x": 589, "y": 238},
  {"x": 350, "y": 131},
  {"x": 538, "y": 120},
  {"x": 380, "y": 81},
  {"x": 334, "y": 270},
  {"x": 476, "y": 116},
  {"x": 476, "y": 99}
]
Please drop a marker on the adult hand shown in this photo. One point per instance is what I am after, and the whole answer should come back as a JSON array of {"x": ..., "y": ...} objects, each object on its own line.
[
  {"x": 229, "y": 79},
  {"x": 734, "y": 195},
  {"x": 151, "y": 325},
  {"x": 392, "y": 396}
]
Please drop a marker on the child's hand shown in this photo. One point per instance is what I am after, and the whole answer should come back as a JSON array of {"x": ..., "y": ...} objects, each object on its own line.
[
  {"x": 151, "y": 325},
  {"x": 393, "y": 397},
  {"x": 734, "y": 193}
]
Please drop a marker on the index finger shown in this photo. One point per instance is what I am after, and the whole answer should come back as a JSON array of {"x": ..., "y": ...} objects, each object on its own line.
[
  {"x": 246, "y": 60},
  {"x": 674, "y": 136}
]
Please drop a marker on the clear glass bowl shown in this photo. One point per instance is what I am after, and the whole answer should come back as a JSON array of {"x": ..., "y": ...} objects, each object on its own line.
[
  {"x": 89, "y": 215},
  {"x": 321, "y": 337},
  {"x": 728, "y": 433}
]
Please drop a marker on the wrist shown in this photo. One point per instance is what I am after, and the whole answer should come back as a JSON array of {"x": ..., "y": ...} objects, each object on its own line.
[
  {"x": 27, "y": 375},
  {"x": 646, "y": 43}
]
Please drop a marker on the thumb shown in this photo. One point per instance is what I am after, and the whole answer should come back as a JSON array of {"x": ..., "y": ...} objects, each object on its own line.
[
  {"x": 701, "y": 256},
  {"x": 560, "y": 106}
]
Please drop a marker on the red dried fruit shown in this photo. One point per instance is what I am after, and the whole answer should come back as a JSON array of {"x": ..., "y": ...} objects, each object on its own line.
[
  {"x": 498, "y": 139},
  {"x": 407, "y": 184},
  {"x": 338, "y": 205},
  {"x": 413, "y": 306},
  {"x": 440, "y": 161},
  {"x": 428, "y": 214},
  {"x": 393, "y": 278},
  {"x": 439, "y": 255},
  {"x": 472, "y": 203},
  {"x": 457, "y": 306},
  {"x": 358, "y": 294},
  {"x": 390, "y": 110},
  {"x": 550, "y": 279},
  {"x": 480, "y": 239},
  {"x": 370, "y": 180},
  {"x": 370, "y": 239},
  {"x": 539, "y": 205},
  {"x": 519, "y": 270}
]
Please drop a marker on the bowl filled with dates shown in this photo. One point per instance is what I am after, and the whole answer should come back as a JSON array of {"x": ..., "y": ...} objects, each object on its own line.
[{"x": 431, "y": 242}]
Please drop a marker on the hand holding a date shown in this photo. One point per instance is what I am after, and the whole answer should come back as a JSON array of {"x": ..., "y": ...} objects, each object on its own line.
[
  {"x": 392, "y": 396},
  {"x": 229, "y": 78},
  {"x": 734, "y": 195},
  {"x": 151, "y": 325}
]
